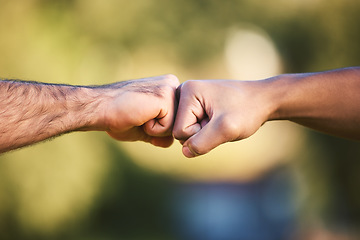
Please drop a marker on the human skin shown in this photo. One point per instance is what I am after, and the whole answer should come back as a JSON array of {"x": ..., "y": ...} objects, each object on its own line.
[
  {"x": 212, "y": 112},
  {"x": 142, "y": 109}
]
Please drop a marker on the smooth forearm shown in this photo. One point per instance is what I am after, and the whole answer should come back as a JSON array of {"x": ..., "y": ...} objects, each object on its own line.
[
  {"x": 31, "y": 112},
  {"x": 325, "y": 101}
]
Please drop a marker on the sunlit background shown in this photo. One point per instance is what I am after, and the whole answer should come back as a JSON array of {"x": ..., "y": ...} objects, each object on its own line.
[{"x": 285, "y": 182}]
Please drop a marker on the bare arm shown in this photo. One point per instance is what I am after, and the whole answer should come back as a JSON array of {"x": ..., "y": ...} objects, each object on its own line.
[
  {"x": 133, "y": 110},
  {"x": 212, "y": 112},
  {"x": 326, "y": 101}
]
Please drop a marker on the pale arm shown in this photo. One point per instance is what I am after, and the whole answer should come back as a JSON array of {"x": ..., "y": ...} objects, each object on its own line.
[{"x": 133, "y": 110}]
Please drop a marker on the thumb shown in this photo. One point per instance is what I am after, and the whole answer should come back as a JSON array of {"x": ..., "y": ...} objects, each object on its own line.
[{"x": 210, "y": 136}]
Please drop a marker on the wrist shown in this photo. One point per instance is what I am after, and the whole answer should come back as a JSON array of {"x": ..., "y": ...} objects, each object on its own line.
[
  {"x": 284, "y": 91},
  {"x": 89, "y": 108},
  {"x": 270, "y": 95},
  {"x": 276, "y": 94}
]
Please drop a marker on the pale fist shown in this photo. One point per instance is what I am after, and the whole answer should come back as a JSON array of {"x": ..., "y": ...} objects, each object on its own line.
[{"x": 143, "y": 109}]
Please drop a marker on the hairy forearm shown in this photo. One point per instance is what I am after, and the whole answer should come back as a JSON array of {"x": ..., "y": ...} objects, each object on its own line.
[
  {"x": 325, "y": 101},
  {"x": 31, "y": 112}
]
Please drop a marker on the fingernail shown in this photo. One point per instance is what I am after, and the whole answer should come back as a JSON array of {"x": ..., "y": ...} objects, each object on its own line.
[{"x": 187, "y": 152}]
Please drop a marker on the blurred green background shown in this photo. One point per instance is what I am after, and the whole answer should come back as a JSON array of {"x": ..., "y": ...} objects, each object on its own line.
[{"x": 88, "y": 186}]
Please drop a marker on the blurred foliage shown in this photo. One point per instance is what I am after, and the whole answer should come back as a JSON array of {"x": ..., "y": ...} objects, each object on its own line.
[
  {"x": 81, "y": 186},
  {"x": 131, "y": 204}
]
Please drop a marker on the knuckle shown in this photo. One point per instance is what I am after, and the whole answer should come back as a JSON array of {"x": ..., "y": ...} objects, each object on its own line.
[
  {"x": 190, "y": 84},
  {"x": 189, "y": 87},
  {"x": 157, "y": 129},
  {"x": 184, "y": 132},
  {"x": 148, "y": 127},
  {"x": 179, "y": 133},
  {"x": 172, "y": 78}
]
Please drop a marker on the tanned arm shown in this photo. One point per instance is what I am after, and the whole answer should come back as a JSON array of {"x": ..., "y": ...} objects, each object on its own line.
[
  {"x": 212, "y": 112},
  {"x": 133, "y": 110},
  {"x": 326, "y": 101}
]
